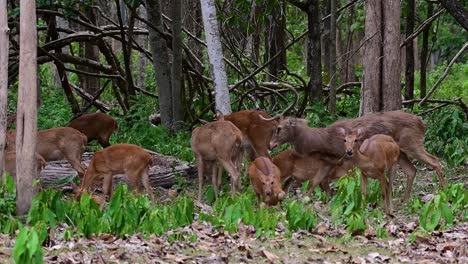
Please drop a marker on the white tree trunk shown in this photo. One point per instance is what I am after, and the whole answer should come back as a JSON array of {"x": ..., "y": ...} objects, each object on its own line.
[
  {"x": 215, "y": 55},
  {"x": 26, "y": 124},
  {"x": 4, "y": 41}
]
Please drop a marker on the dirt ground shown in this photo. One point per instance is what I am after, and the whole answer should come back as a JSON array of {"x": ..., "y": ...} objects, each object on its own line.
[{"x": 203, "y": 243}]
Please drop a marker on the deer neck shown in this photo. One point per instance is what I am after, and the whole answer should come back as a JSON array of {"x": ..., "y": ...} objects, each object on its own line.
[{"x": 361, "y": 160}]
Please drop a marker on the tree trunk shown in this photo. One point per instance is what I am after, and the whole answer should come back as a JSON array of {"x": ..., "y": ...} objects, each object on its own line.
[
  {"x": 332, "y": 96},
  {"x": 26, "y": 124},
  {"x": 4, "y": 46},
  {"x": 425, "y": 53},
  {"x": 274, "y": 41},
  {"x": 314, "y": 64},
  {"x": 142, "y": 60},
  {"x": 371, "y": 64},
  {"x": 215, "y": 56},
  {"x": 177, "y": 84},
  {"x": 91, "y": 51},
  {"x": 409, "y": 57},
  {"x": 326, "y": 39},
  {"x": 456, "y": 9},
  {"x": 254, "y": 36},
  {"x": 161, "y": 64},
  {"x": 391, "y": 84}
]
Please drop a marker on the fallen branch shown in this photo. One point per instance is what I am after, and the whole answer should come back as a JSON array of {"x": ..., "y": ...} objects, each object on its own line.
[
  {"x": 89, "y": 98},
  {"x": 457, "y": 101}
]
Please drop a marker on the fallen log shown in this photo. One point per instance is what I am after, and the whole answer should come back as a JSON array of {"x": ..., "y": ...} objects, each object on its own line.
[{"x": 165, "y": 172}]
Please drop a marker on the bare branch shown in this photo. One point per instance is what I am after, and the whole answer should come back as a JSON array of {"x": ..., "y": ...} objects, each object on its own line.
[{"x": 441, "y": 78}]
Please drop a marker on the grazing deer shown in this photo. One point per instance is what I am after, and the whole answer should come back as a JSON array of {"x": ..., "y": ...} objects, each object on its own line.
[
  {"x": 57, "y": 144},
  {"x": 265, "y": 178},
  {"x": 298, "y": 167},
  {"x": 119, "y": 159},
  {"x": 214, "y": 144},
  {"x": 96, "y": 126},
  {"x": 376, "y": 156}
]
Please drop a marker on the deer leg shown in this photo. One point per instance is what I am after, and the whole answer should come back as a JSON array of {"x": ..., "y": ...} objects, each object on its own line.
[
  {"x": 434, "y": 163},
  {"x": 364, "y": 185},
  {"x": 390, "y": 184},
  {"x": 214, "y": 178},
  {"x": 200, "y": 176},
  {"x": 75, "y": 162},
  {"x": 410, "y": 171},
  {"x": 235, "y": 182},
  {"x": 146, "y": 183},
  {"x": 321, "y": 174},
  {"x": 384, "y": 187},
  {"x": 107, "y": 185}
]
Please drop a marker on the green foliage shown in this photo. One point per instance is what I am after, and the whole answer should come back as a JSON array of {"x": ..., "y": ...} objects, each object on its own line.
[
  {"x": 447, "y": 135},
  {"x": 348, "y": 206},
  {"x": 27, "y": 247},
  {"x": 445, "y": 205},
  {"x": 135, "y": 128},
  {"x": 300, "y": 216},
  {"x": 8, "y": 222}
]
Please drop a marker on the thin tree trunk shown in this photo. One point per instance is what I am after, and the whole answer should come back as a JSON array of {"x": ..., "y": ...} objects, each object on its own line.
[
  {"x": 274, "y": 41},
  {"x": 391, "y": 85},
  {"x": 314, "y": 50},
  {"x": 177, "y": 84},
  {"x": 26, "y": 124},
  {"x": 91, "y": 51},
  {"x": 4, "y": 46},
  {"x": 371, "y": 62},
  {"x": 425, "y": 53},
  {"x": 215, "y": 56},
  {"x": 161, "y": 64},
  {"x": 409, "y": 68},
  {"x": 127, "y": 60},
  {"x": 326, "y": 39},
  {"x": 332, "y": 98}
]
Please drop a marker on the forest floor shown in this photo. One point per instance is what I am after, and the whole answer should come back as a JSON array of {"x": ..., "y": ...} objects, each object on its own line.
[{"x": 203, "y": 243}]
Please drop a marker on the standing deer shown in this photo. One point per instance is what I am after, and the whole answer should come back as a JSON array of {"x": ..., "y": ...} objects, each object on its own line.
[
  {"x": 265, "y": 178},
  {"x": 214, "y": 144},
  {"x": 257, "y": 131},
  {"x": 96, "y": 126},
  {"x": 376, "y": 156},
  {"x": 10, "y": 163},
  {"x": 406, "y": 129},
  {"x": 119, "y": 159},
  {"x": 57, "y": 144}
]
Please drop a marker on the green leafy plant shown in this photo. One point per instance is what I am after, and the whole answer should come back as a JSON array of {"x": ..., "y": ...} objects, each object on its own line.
[
  {"x": 300, "y": 216},
  {"x": 8, "y": 222},
  {"x": 27, "y": 248}
]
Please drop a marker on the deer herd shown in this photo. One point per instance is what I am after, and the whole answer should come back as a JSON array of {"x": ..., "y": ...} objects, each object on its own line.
[{"x": 374, "y": 143}]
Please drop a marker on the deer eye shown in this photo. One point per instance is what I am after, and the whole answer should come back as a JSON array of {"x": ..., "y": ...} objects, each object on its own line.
[
  {"x": 271, "y": 182},
  {"x": 344, "y": 140}
]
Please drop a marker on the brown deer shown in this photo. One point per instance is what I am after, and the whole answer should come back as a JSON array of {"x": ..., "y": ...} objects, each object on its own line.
[
  {"x": 119, "y": 159},
  {"x": 10, "y": 163},
  {"x": 96, "y": 126},
  {"x": 408, "y": 132},
  {"x": 376, "y": 156},
  {"x": 307, "y": 140},
  {"x": 406, "y": 129},
  {"x": 57, "y": 144},
  {"x": 265, "y": 178},
  {"x": 256, "y": 130},
  {"x": 214, "y": 144},
  {"x": 298, "y": 167}
]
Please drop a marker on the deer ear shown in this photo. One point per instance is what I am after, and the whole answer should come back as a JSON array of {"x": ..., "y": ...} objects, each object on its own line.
[
  {"x": 341, "y": 131},
  {"x": 360, "y": 132}
]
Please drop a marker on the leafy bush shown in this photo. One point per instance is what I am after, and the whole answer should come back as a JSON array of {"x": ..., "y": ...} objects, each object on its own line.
[
  {"x": 8, "y": 222},
  {"x": 27, "y": 247},
  {"x": 348, "y": 206},
  {"x": 300, "y": 216},
  {"x": 446, "y": 135},
  {"x": 445, "y": 205}
]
